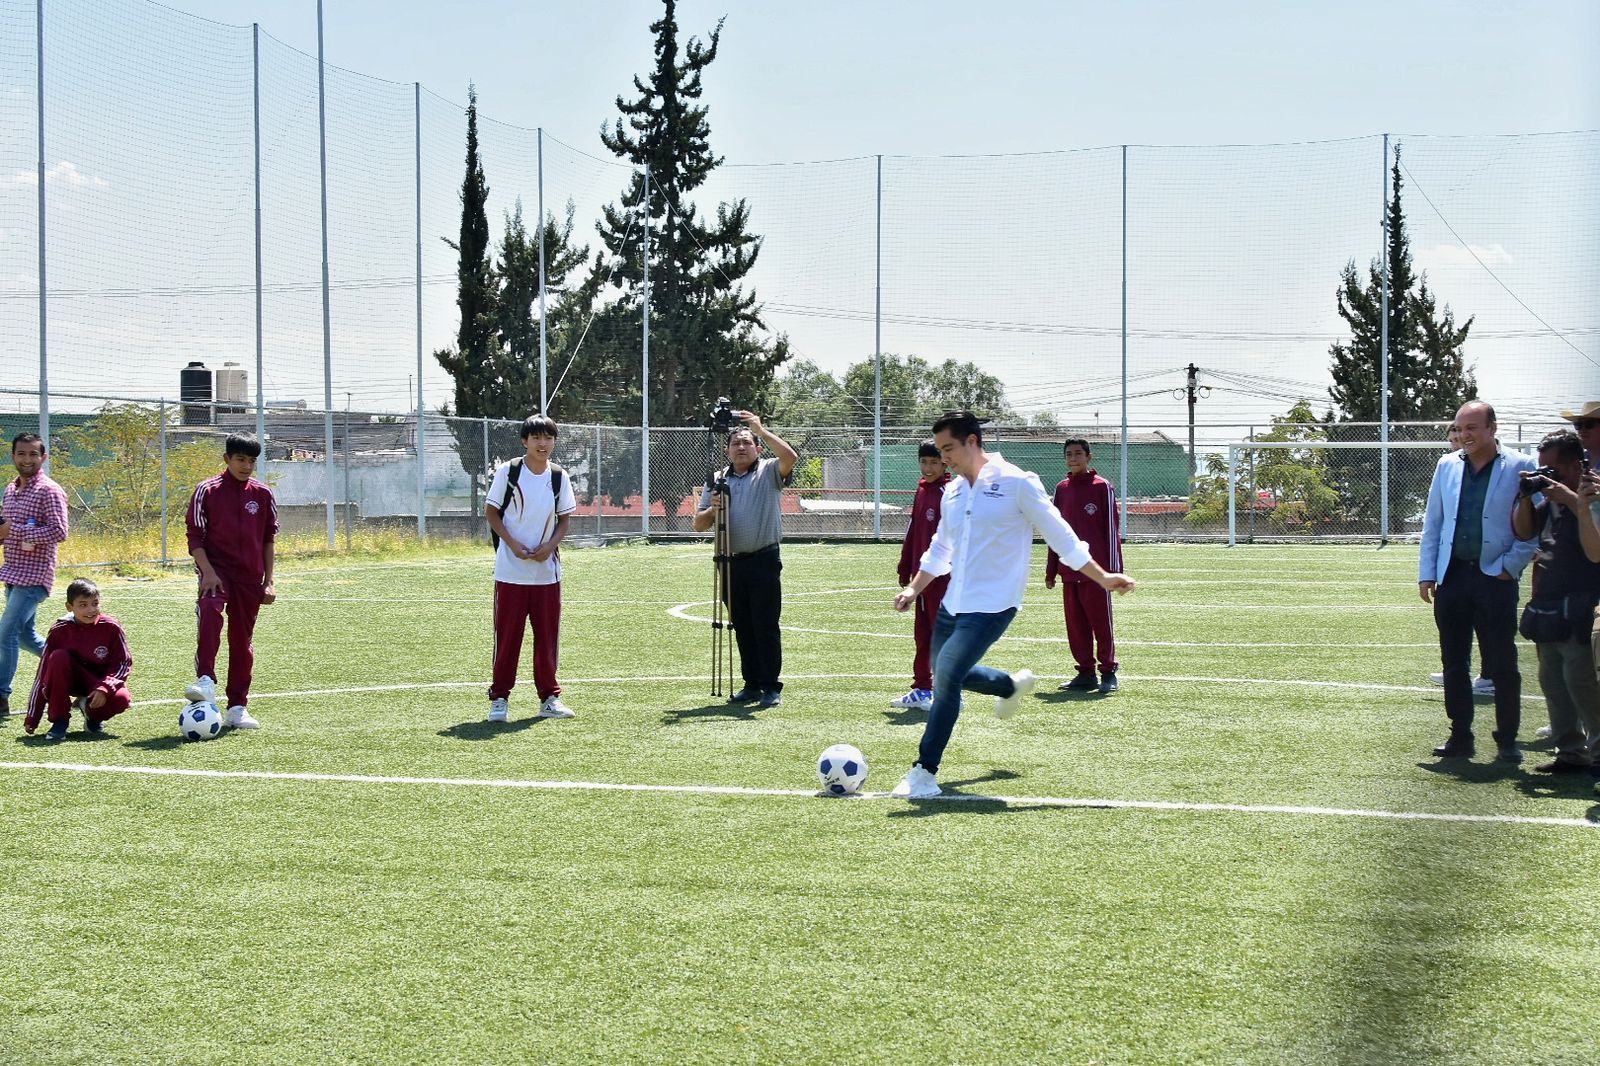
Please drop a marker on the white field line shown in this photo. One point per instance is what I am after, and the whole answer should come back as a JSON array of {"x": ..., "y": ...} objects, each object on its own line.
[
  {"x": 701, "y": 679},
  {"x": 681, "y": 611},
  {"x": 732, "y": 790}
]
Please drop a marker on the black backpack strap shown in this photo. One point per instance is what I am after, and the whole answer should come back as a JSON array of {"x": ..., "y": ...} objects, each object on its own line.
[{"x": 512, "y": 475}]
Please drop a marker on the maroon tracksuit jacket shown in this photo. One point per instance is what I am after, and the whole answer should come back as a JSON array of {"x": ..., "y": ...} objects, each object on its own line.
[
  {"x": 80, "y": 660},
  {"x": 1089, "y": 504},
  {"x": 925, "y": 511}
]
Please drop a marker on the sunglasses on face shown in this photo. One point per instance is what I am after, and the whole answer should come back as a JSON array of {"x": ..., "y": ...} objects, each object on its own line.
[{"x": 1583, "y": 425}]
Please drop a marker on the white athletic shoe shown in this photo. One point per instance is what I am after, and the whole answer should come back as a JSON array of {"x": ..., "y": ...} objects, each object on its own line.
[
  {"x": 239, "y": 718},
  {"x": 917, "y": 785},
  {"x": 1544, "y": 732},
  {"x": 918, "y": 699},
  {"x": 1482, "y": 687},
  {"x": 201, "y": 690},
  {"x": 1006, "y": 706},
  {"x": 552, "y": 707},
  {"x": 499, "y": 710}
]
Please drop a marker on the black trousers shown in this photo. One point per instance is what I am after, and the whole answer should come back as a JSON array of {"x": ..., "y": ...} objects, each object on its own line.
[
  {"x": 755, "y": 602},
  {"x": 1469, "y": 601}
]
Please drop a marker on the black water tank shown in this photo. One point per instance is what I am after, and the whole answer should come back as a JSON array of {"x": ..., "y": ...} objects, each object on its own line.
[{"x": 194, "y": 387}]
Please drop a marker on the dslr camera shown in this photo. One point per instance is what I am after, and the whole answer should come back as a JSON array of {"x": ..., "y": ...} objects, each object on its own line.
[
  {"x": 1537, "y": 480},
  {"x": 722, "y": 417}
]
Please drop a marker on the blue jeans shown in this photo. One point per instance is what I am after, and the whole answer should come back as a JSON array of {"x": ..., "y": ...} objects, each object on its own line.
[
  {"x": 959, "y": 641},
  {"x": 17, "y": 629}
]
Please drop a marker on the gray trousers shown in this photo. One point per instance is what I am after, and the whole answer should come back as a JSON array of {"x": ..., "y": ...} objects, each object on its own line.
[{"x": 1571, "y": 687}]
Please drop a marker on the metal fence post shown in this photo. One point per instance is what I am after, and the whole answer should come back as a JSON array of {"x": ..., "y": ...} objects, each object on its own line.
[
  {"x": 163, "y": 418},
  {"x": 327, "y": 324},
  {"x": 1233, "y": 463},
  {"x": 1383, "y": 359},
  {"x": 644, "y": 385},
  {"x": 1126, "y": 488},
  {"x": 877, "y": 368},
  {"x": 422, "y": 421},
  {"x": 347, "y": 533},
  {"x": 1251, "y": 535},
  {"x": 44, "y": 359},
  {"x": 599, "y": 495},
  {"x": 255, "y": 109}
]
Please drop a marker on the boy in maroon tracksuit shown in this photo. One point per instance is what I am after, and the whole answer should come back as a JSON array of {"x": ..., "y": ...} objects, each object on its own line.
[
  {"x": 233, "y": 521},
  {"x": 1089, "y": 504},
  {"x": 925, "y": 510},
  {"x": 86, "y": 663}
]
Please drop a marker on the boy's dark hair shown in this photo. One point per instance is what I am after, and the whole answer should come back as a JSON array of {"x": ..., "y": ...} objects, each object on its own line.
[
  {"x": 81, "y": 587},
  {"x": 242, "y": 444},
  {"x": 1080, "y": 442},
  {"x": 928, "y": 450},
  {"x": 1564, "y": 443},
  {"x": 26, "y": 438},
  {"x": 960, "y": 425},
  {"x": 539, "y": 426}
]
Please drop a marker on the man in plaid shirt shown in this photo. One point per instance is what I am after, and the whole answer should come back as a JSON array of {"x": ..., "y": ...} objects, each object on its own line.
[{"x": 33, "y": 520}]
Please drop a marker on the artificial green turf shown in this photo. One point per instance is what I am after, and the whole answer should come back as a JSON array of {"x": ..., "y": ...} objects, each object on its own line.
[{"x": 159, "y": 919}]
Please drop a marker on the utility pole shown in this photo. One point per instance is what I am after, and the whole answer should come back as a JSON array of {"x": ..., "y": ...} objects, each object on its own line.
[{"x": 1193, "y": 392}]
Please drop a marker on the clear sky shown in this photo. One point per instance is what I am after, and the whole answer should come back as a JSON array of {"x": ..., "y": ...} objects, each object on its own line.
[
  {"x": 1001, "y": 200},
  {"x": 829, "y": 78}
]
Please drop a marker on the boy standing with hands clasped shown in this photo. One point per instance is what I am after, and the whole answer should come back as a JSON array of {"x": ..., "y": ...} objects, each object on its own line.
[
  {"x": 529, "y": 507},
  {"x": 86, "y": 664},
  {"x": 1089, "y": 504},
  {"x": 919, "y": 534},
  {"x": 233, "y": 524}
]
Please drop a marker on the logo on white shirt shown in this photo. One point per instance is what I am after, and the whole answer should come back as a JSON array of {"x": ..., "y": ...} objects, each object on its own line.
[{"x": 252, "y": 506}]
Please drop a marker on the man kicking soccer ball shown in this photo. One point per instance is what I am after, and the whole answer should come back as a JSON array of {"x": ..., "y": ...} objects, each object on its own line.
[{"x": 984, "y": 542}]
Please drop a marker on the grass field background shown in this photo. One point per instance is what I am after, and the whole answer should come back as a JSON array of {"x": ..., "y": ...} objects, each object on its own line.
[{"x": 210, "y": 919}]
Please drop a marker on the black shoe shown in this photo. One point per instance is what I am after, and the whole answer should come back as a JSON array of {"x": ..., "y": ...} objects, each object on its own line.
[
  {"x": 58, "y": 731},
  {"x": 1084, "y": 682},
  {"x": 771, "y": 699},
  {"x": 1456, "y": 748},
  {"x": 1509, "y": 753},
  {"x": 5, "y": 706},
  {"x": 745, "y": 695},
  {"x": 1560, "y": 766},
  {"x": 1108, "y": 684},
  {"x": 94, "y": 725}
]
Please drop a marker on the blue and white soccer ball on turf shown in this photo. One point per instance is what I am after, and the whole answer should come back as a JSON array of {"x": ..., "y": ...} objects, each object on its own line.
[
  {"x": 199, "y": 721},
  {"x": 842, "y": 769}
]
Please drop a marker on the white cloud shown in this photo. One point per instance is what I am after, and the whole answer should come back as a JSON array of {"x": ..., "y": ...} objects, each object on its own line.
[
  {"x": 1449, "y": 256},
  {"x": 65, "y": 171}
]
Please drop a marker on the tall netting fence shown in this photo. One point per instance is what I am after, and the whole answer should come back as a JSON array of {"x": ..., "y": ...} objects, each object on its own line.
[{"x": 1177, "y": 300}]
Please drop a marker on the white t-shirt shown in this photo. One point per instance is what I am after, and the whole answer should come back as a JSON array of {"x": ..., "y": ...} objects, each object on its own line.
[{"x": 530, "y": 517}]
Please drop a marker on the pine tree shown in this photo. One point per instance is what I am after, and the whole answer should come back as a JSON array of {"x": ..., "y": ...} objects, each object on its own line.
[
  {"x": 1429, "y": 378},
  {"x": 707, "y": 336}
]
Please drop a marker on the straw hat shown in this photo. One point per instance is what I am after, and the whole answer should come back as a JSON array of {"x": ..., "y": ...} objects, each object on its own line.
[{"x": 1588, "y": 410}]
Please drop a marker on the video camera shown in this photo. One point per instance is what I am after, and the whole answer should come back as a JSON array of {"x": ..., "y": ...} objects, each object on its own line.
[
  {"x": 722, "y": 418},
  {"x": 1535, "y": 481}
]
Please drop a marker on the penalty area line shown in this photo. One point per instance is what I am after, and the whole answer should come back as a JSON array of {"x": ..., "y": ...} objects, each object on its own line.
[{"x": 735, "y": 790}]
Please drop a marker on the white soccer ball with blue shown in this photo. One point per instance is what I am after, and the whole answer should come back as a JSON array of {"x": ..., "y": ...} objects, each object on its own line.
[
  {"x": 199, "y": 721},
  {"x": 842, "y": 769}
]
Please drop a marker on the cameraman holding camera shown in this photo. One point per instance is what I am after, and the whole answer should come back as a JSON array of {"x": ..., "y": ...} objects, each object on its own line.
[
  {"x": 1566, "y": 587},
  {"x": 751, "y": 489}
]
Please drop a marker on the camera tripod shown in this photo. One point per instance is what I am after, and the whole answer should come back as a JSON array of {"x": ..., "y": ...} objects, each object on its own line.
[{"x": 721, "y": 568}]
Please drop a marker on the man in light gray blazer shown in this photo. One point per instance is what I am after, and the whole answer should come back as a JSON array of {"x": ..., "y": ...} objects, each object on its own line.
[{"x": 1471, "y": 560}]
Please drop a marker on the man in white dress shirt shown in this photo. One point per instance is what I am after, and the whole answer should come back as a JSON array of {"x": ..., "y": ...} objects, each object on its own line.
[{"x": 985, "y": 543}]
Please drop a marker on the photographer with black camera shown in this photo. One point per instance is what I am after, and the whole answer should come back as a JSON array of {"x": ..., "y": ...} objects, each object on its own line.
[
  {"x": 748, "y": 492},
  {"x": 1559, "y": 612}
]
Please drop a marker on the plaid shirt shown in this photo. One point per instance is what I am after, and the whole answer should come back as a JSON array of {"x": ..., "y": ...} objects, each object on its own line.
[{"x": 36, "y": 515}]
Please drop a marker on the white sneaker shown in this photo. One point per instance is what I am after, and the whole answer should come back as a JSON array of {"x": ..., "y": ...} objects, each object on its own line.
[
  {"x": 552, "y": 707},
  {"x": 1006, "y": 706},
  {"x": 918, "y": 699},
  {"x": 201, "y": 690},
  {"x": 917, "y": 785},
  {"x": 499, "y": 710},
  {"x": 1437, "y": 679},
  {"x": 1544, "y": 732},
  {"x": 239, "y": 718},
  {"x": 1482, "y": 687}
]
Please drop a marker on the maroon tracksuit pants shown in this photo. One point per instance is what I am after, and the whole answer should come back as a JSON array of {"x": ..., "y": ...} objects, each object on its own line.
[
  {"x": 1088, "y": 611},
  {"x": 242, "y": 603},
  {"x": 516, "y": 608},
  {"x": 927, "y": 613},
  {"x": 63, "y": 679}
]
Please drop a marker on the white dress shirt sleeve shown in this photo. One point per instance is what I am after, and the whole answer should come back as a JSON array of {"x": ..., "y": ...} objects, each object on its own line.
[
  {"x": 941, "y": 550},
  {"x": 1038, "y": 509}
]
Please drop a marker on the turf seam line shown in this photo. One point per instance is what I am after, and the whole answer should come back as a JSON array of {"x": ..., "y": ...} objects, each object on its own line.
[{"x": 735, "y": 790}]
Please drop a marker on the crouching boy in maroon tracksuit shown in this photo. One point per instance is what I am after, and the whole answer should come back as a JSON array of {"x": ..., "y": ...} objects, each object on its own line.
[
  {"x": 233, "y": 524},
  {"x": 925, "y": 512},
  {"x": 86, "y": 663},
  {"x": 1089, "y": 504}
]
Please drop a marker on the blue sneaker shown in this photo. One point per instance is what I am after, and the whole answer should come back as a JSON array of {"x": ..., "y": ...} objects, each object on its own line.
[
  {"x": 918, "y": 699},
  {"x": 58, "y": 731}
]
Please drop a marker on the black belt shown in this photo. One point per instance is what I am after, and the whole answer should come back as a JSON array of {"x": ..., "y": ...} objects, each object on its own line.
[{"x": 759, "y": 551}]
